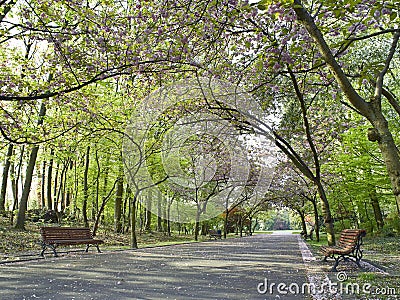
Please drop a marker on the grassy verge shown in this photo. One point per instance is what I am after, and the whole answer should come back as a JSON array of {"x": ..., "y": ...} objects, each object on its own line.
[{"x": 23, "y": 245}]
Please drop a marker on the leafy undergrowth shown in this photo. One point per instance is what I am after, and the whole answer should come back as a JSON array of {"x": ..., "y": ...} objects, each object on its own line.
[
  {"x": 382, "y": 252},
  {"x": 23, "y": 245}
]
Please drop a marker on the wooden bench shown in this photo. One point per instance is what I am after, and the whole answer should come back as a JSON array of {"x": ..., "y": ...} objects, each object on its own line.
[
  {"x": 53, "y": 237},
  {"x": 348, "y": 246},
  {"x": 215, "y": 234}
]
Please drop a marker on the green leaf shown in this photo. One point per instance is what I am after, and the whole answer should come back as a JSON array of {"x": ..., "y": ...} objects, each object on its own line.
[{"x": 261, "y": 6}]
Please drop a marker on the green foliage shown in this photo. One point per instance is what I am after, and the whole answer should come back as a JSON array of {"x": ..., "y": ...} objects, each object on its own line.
[
  {"x": 264, "y": 4},
  {"x": 277, "y": 220}
]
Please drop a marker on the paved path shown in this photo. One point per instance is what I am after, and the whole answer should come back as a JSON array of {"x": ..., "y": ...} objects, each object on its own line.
[{"x": 231, "y": 269}]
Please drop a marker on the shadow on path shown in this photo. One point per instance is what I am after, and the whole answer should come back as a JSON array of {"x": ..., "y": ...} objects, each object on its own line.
[{"x": 231, "y": 269}]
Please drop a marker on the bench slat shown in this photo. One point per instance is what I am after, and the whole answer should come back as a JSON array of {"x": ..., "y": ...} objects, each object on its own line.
[{"x": 75, "y": 242}]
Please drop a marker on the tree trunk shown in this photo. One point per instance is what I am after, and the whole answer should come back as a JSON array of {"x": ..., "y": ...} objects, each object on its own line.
[
  {"x": 49, "y": 181},
  {"x": 68, "y": 198},
  {"x": 101, "y": 209},
  {"x": 28, "y": 179},
  {"x": 14, "y": 182},
  {"x": 142, "y": 216},
  {"x": 55, "y": 188},
  {"x": 39, "y": 185},
  {"x": 390, "y": 154},
  {"x": 43, "y": 200},
  {"x": 4, "y": 181},
  {"x": 197, "y": 224},
  {"x": 95, "y": 199},
  {"x": 60, "y": 197},
  {"x": 250, "y": 228},
  {"x": 159, "y": 218},
  {"x": 64, "y": 187},
  {"x": 23, "y": 204},
  {"x": 168, "y": 218},
  {"x": 226, "y": 222},
  {"x": 69, "y": 193},
  {"x": 254, "y": 226},
  {"x": 377, "y": 208},
  {"x": 147, "y": 227},
  {"x": 14, "y": 191},
  {"x": 316, "y": 219},
  {"x": 303, "y": 221},
  {"x": 126, "y": 209},
  {"x": 165, "y": 220},
  {"x": 76, "y": 191},
  {"x": 241, "y": 225},
  {"x": 326, "y": 212},
  {"x": 118, "y": 202},
  {"x": 134, "y": 243},
  {"x": 86, "y": 188},
  {"x": 196, "y": 230}
]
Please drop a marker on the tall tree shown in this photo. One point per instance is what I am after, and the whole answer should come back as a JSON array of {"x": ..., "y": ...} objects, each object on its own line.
[
  {"x": 86, "y": 187},
  {"x": 5, "y": 177},
  {"x": 50, "y": 181},
  {"x": 23, "y": 204},
  {"x": 118, "y": 200},
  {"x": 370, "y": 107}
]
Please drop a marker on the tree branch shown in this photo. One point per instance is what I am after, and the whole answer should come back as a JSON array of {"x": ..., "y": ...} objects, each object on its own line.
[
  {"x": 310, "y": 141},
  {"x": 293, "y": 156},
  {"x": 379, "y": 80},
  {"x": 305, "y": 18},
  {"x": 392, "y": 100}
]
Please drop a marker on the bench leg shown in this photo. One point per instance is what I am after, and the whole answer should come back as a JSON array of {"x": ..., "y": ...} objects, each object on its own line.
[
  {"x": 344, "y": 258},
  {"x": 54, "y": 250},
  {"x": 358, "y": 255},
  {"x": 44, "y": 247},
  {"x": 88, "y": 245},
  {"x": 335, "y": 265},
  {"x": 337, "y": 261},
  {"x": 357, "y": 261}
]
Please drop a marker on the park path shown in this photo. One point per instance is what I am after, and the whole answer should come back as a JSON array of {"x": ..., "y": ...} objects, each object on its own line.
[{"x": 243, "y": 268}]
